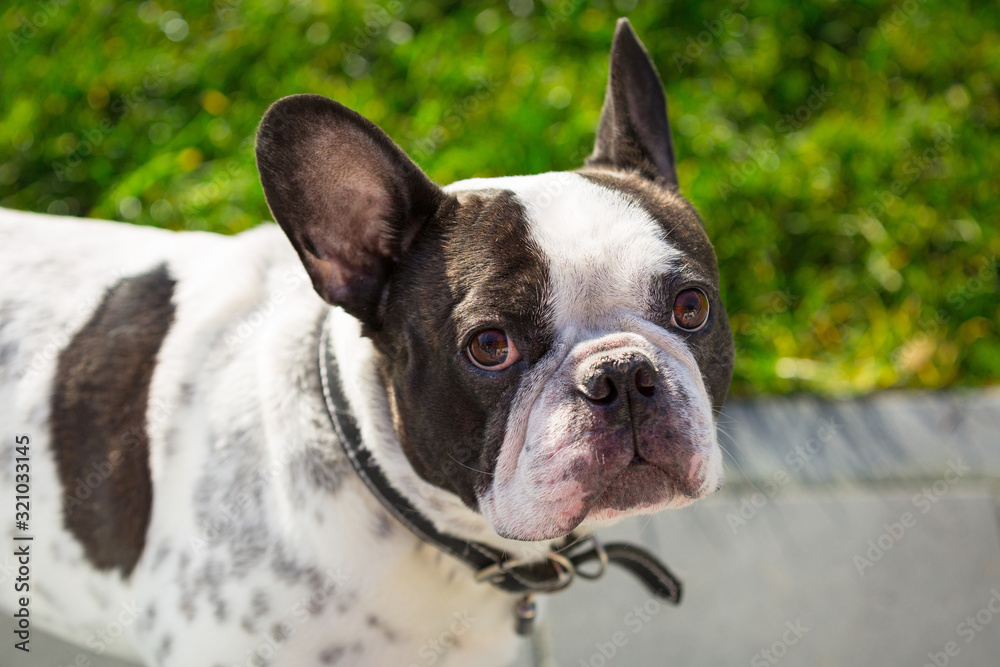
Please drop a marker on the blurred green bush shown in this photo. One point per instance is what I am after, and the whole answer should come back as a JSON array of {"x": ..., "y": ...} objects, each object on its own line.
[{"x": 845, "y": 156}]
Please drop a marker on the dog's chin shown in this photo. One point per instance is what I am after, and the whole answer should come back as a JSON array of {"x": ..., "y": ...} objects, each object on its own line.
[{"x": 640, "y": 488}]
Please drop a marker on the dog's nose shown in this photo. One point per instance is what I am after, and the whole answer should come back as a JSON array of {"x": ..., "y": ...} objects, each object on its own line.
[{"x": 606, "y": 382}]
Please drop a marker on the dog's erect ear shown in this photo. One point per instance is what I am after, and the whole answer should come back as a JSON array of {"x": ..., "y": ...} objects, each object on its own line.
[
  {"x": 349, "y": 199},
  {"x": 634, "y": 132}
]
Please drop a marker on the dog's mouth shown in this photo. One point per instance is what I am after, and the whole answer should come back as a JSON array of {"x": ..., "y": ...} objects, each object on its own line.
[
  {"x": 640, "y": 485},
  {"x": 637, "y": 485},
  {"x": 643, "y": 486}
]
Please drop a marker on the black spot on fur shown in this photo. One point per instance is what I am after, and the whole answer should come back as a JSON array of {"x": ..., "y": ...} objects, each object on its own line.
[
  {"x": 280, "y": 632},
  {"x": 221, "y": 611},
  {"x": 377, "y": 623},
  {"x": 259, "y": 604},
  {"x": 383, "y": 524},
  {"x": 162, "y": 552},
  {"x": 322, "y": 465},
  {"x": 229, "y": 498},
  {"x": 332, "y": 655},
  {"x": 98, "y": 422},
  {"x": 8, "y": 352},
  {"x": 323, "y": 470},
  {"x": 286, "y": 567},
  {"x": 187, "y": 607},
  {"x": 209, "y": 579},
  {"x": 163, "y": 650}
]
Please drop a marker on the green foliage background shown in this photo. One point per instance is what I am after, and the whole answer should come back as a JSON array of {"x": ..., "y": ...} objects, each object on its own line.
[{"x": 844, "y": 156}]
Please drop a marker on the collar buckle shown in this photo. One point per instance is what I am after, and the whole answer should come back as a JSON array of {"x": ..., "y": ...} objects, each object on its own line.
[
  {"x": 558, "y": 569},
  {"x": 558, "y": 572}
]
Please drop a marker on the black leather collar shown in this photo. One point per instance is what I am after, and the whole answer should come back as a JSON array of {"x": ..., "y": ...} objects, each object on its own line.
[{"x": 553, "y": 572}]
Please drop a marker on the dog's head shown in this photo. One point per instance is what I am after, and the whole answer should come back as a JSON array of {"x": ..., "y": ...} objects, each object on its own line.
[{"x": 553, "y": 346}]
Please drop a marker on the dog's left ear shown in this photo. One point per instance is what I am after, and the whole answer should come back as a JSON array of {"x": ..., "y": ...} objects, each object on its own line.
[
  {"x": 634, "y": 133},
  {"x": 349, "y": 199}
]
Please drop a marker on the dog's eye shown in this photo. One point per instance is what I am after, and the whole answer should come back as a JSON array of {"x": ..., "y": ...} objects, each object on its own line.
[
  {"x": 492, "y": 350},
  {"x": 690, "y": 309}
]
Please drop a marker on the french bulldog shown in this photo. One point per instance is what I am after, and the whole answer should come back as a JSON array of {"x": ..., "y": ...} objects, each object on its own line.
[{"x": 518, "y": 357}]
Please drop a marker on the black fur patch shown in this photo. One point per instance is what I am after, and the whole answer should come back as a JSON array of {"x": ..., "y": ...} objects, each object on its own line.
[
  {"x": 98, "y": 423},
  {"x": 477, "y": 268}
]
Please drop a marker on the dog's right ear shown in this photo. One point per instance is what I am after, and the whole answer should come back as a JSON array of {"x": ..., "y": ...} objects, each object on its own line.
[
  {"x": 349, "y": 199},
  {"x": 634, "y": 134}
]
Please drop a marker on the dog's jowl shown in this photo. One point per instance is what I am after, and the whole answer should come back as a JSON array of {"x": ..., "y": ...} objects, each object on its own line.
[{"x": 255, "y": 452}]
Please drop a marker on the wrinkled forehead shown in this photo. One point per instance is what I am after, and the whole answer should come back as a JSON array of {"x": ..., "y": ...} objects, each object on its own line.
[{"x": 605, "y": 251}]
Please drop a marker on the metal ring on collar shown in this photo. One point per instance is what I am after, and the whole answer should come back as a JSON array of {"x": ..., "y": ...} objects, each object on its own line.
[
  {"x": 564, "y": 568},
  {"x": 602, "y": 556}
]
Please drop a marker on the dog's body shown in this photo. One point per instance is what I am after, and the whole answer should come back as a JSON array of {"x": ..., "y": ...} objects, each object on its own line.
[
  {"x": 260, "y": 535},
  {"x": 190, "y": 503}
]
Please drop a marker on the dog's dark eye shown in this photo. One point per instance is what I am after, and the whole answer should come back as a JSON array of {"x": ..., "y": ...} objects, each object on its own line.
[
  {"x": 690, "y": 309},
  {"x": 492, "y": 350}
]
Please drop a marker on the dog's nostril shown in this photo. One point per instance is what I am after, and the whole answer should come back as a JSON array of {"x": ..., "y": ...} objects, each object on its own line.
[
  {"x": 645, "y": 381},
  {"x": 603, "y": 391}
]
